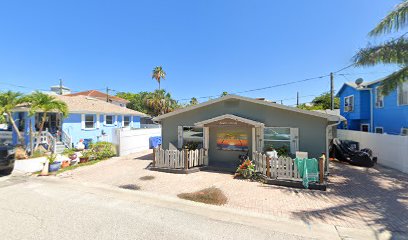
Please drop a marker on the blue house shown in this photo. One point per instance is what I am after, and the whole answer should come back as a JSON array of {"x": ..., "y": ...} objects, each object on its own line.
[
  {"x": 89, "y": 118},
  {"x": 367, "y": 109}
]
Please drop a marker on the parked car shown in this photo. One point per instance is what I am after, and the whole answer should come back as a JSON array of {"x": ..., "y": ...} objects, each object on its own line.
[{"x": 7, "y": 158}]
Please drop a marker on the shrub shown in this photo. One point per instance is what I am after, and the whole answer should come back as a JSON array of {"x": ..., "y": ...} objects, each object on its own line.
[
  {"x": 38, "y": 153},
  {"x": 246, "y": 169},
  {"x": 210, "y": 195},
  {"x": 103, "y": 150},
  {"x": 68, "y": 151},
  {"x": 51, "y": 158}
]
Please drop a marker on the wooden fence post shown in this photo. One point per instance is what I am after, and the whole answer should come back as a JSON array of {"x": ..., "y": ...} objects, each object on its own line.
[
  {"x": 268, "y": 167},
  {"x": 185, "y": 159},
  {"x": 321, "y": 168},
  {"x": 154, "y": 157}
]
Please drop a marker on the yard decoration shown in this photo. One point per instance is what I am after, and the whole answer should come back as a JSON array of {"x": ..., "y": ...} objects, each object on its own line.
[{"x": 246, "y": 169}]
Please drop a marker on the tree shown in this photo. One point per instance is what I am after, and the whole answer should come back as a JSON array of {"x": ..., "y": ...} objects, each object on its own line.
[
  {"x": 193, "y": 101},
  {"x": 158, "y": 73},
  {"x": 391, "y": 52},
  {"x": 224, "y": 94},
  {"x": 8, "y": 101},
  {"x": 321, "y": 102},
  {"x": 41, "y": 102},
  {"x": 159, "y": 102},
  {"x": 137, "y": 101}
]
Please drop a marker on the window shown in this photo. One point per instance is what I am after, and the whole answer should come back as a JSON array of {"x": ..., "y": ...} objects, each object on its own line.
[
  {"x": 379, "y": 130},
  {"x": 193, "y": 137},
  {"x": 403, "y": 94},
  {"x": 126, "y": 121},
  {"x": 349, "y": 103},
  {"x": 404, "y": 131},
  {"x": 277, "y": 138},
  {"x": 379, "y": 98},
  {"x": 364, "y": 127},
  {"x": 89, "y": 121},
  {"x": 109, "y": 119}
]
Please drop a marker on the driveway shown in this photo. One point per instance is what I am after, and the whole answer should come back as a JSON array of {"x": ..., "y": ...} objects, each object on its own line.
[{"x": 357, "y": 197}]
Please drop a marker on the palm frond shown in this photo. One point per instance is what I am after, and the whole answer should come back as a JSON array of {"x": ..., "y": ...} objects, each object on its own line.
[
  {"x": 394, "y": 21},
  {"x": 394, "y": 80},
  {"x": 392, "y": 52}
]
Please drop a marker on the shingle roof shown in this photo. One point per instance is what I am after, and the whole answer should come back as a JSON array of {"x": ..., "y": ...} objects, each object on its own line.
[{"x": 97, "y": 94}]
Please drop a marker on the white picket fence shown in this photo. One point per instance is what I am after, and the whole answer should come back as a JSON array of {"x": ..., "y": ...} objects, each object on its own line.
[
  {"x": 176, "y": 159},
  {"x": 280, "y": 168}
]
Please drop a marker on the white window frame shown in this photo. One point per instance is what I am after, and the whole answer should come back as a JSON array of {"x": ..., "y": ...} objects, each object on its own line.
[
  {"x": 402, "y": 131},
  {"x": 399, "y": 89},
  {"x": 382, "y": 130},
  {"x": 346, "y": 107},
  {"x": 105, "y": 118},
  {"x": 94, "y": 122},
  {"x": 293, "y": 141},
  {"x": 365, "y": 124},
  {"x": 123, "y": 121},
  {"x": 377, "y": 95},
  {"x": 180, "y": 137}
]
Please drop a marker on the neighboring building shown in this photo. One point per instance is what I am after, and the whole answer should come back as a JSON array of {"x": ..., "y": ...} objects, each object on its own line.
[
  {"x": 57, "y": 89},
  {"x": 102, "y": 96},
  {"x": 233, "y": 125},
  {"x": 366, "y": 109},
  {"x": 89, "y": 118}
]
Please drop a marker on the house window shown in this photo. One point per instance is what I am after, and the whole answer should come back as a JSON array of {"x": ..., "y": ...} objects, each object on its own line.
[
  {"x": 403, "y": 94},
  {"x": 89, "y": 121},
  {"x": 193, "y": 137},
  {"x": 379, "y": 130},
  {"x": 109, "y": 119},
  {"x": 364, "y": 127},
  {"x": 126, "y": 121},
  {"x": 379, "y": 98},
  {"x": 404, "y": 131},
  {"x": 349, "y": 103},
  {"x": 277, "y": 138}
]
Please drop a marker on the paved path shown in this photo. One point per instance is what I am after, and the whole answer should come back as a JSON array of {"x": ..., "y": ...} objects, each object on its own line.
[{"x": 363, "y": 198}]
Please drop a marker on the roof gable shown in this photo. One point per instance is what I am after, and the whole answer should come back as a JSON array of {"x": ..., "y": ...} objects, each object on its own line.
[{"x": 99, "y": 95}]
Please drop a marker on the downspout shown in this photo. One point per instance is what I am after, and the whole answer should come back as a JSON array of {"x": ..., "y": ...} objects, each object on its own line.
[{"x": 327, "y": 144}]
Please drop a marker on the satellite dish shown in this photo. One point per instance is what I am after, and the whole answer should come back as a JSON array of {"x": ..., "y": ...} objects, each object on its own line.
[{"x": 359, "y": 81}]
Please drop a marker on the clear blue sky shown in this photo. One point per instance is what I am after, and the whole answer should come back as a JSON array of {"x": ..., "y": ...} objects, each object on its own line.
[{"x": 205, "y": 47}]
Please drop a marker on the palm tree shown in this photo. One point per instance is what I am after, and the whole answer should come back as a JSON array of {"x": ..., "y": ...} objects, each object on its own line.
[
  {"x": 193, "y": 101},
  {"x": 158, "y": 73},
  {"x": 391, "y": 52},
  {"x": 159, "y": 102},
  {"x": 8, "y": 101},
  {"x": 41, "y": 102}
]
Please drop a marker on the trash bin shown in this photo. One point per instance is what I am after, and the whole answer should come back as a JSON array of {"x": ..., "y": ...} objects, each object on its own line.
[
  {"x": 353, "y": 144},
  {"x": 154, "y": 142}
]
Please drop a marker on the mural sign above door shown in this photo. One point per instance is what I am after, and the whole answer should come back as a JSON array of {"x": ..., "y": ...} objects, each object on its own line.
[{"x": 232, "y": 141}]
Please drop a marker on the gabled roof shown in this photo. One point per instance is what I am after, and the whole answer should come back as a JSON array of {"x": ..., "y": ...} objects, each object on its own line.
[
  {"x": 99, "y": 95},
  {"x": 247, "y": 99},
  {"x": 83, "y": 104},
  {"x": 232, "y": 117},
  {"x": 363, "y": 85}
]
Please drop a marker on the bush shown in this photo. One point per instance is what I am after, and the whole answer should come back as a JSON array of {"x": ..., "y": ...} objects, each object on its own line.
[
  {"x": 103, "y": 150},
  {"x": 246, "y": 169}
]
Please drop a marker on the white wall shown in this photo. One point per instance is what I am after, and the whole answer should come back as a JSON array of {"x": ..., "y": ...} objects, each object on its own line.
[
  {"x": 135, "y": 140},
  {"x": 391, "y": 150}
]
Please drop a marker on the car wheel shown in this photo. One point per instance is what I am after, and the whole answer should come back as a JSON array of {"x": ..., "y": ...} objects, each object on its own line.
[{"x": 6, "y": 172}]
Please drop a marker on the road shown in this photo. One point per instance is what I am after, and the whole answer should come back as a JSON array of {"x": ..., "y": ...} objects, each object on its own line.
[{"x": 54, "y": 208}]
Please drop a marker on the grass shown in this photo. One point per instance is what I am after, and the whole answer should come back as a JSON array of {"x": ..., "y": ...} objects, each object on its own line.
[
  {"x": 147, "y": 178},
  {"x": 210, "y": 195},
  {"x": 78, "y": 165},
  {"x": 130, "y": 186}
]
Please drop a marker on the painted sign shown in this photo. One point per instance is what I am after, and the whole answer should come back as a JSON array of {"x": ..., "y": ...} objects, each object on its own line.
[{"x": 232, "y": 141}]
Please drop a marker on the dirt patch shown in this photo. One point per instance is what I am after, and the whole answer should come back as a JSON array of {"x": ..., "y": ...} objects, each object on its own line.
[
  {"x": 130, "y": 187},
  {"x": 210, "y": 195},
  {"x": 147, "y": 178}
]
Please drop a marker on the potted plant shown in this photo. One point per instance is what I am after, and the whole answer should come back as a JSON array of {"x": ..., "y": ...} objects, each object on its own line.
[
  {"x": 85, "y": 156},
  {"x": 271, "y": 152},
  {"x": 70, "y": 153},
  {"x": 54, "y": 166}
]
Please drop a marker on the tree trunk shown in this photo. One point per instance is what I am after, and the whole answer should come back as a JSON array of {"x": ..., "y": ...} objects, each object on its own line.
[
  {"x": 13, "y": 123},
  {"x": 159, "y": 83},
  {"x": 44, "y": 117}
]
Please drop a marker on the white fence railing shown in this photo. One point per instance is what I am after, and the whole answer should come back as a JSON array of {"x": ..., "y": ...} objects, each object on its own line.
[
  {"x": 183, "y": 159},
  {"x": 390, "y": 150},
  {"x": 133, "y": 140},
  {"x": 278, "y": 168},
  {"x": 66, "y": 139},
  {"x": 45, "y": 138}
]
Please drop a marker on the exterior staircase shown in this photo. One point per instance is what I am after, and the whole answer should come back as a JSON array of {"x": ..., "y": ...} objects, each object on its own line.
[{"x": 59, "y": 147}]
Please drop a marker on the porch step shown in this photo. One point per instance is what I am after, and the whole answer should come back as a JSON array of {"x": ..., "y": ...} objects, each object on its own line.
[{"x": 60, "y": 147}]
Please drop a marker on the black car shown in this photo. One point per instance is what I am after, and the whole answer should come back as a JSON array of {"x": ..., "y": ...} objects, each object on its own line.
[{"x": 6, "y": 159}]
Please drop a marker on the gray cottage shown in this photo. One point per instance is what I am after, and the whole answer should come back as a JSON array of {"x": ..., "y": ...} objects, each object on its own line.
[{"x": 233, "y": 125}]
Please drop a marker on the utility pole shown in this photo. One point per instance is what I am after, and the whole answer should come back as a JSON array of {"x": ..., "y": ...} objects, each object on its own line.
[
  {"x": 331, "y": 91},
  {"x": 60, "y": 87},
  {"x": 107, "y": 93},
  {"x": 282, "y": 102},
  {"x": 297, "y": 99}
]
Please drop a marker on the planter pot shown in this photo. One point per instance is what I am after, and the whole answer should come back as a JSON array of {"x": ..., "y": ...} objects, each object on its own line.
[
  {"x": 64, "y": 164},
  {"x": 83, "y": 160},
  {"x": 72, "y": 156},
  {"x": 54, "y": 167}
]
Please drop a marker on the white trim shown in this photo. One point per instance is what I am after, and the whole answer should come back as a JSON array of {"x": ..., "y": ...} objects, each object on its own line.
[
  {"x": 109, "y": 124},
  {"x": 344, "y": 103},
  {"x": 382, "y": 98},
  {"x": 84, "y": 122},
  {"x": 232, "y": 117},
  {"x": 123, "y": 121},
  {"x": 398, "y": 94},
  {"x": 365, "y": 124},
  {"x": 382, "y": 130},
  {"x": 262, "y": 102}
]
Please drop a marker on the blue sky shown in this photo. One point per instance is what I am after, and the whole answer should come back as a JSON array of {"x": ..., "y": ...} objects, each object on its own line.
[{"x": 206, "y": 47}]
